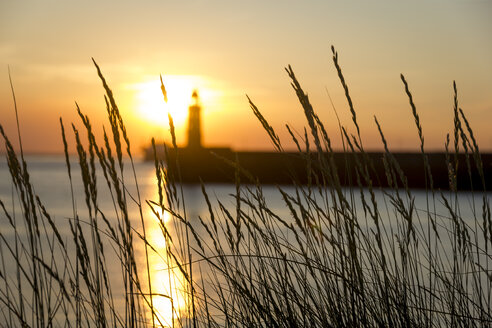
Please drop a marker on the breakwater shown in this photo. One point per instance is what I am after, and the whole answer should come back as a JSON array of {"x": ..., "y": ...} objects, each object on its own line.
[{"x": 223, "y": 165}]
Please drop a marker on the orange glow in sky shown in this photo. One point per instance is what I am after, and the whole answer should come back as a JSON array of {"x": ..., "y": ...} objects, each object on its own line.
[
  {"x": 149, "y": 101},
  {"x": 227, "y": 49}
]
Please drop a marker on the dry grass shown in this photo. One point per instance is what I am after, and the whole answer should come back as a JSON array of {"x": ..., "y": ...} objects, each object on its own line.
[{"x": 343, "y": 257}]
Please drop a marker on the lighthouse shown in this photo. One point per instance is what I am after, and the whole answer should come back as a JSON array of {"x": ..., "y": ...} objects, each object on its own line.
[{"x": 194, "y": 123}]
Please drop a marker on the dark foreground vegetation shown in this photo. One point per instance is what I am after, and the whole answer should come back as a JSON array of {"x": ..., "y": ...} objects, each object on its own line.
[{"x": 362, "y": 256}]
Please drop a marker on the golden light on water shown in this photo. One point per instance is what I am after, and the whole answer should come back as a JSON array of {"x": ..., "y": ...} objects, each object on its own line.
[
  {"x": 150, "y": 104},
  {"x": 168, "y": 283}
]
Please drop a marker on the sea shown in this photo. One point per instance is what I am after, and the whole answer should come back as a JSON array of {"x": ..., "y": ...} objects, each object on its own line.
[{"x": 49, "y": 176}]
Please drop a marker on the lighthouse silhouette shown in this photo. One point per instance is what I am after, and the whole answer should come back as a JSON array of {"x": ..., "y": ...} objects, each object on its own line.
[
  {"x": 199, "y": 164},
  {"x": 194, "y": 123}
]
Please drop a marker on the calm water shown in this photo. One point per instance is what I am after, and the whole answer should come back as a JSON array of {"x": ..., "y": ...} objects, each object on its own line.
[
  {"x": 49, "y": 176},
  {"x": 50, "y": 179}
]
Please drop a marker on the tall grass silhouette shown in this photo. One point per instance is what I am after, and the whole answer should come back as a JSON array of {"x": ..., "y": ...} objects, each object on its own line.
[{"x": 343, "y": 256}]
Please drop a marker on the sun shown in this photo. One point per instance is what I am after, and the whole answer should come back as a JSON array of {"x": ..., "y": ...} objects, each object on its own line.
[{"x": 150, "y": 103}]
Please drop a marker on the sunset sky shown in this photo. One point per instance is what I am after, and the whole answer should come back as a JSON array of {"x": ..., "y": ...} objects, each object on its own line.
[{"x": 227, "y": 49}]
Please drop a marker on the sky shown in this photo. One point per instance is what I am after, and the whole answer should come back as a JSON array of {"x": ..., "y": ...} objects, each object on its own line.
[{"x": 230, "y": 49}]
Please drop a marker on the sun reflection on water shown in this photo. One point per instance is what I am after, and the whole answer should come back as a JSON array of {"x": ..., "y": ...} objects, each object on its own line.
[{"x": 167, "y": 281}]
